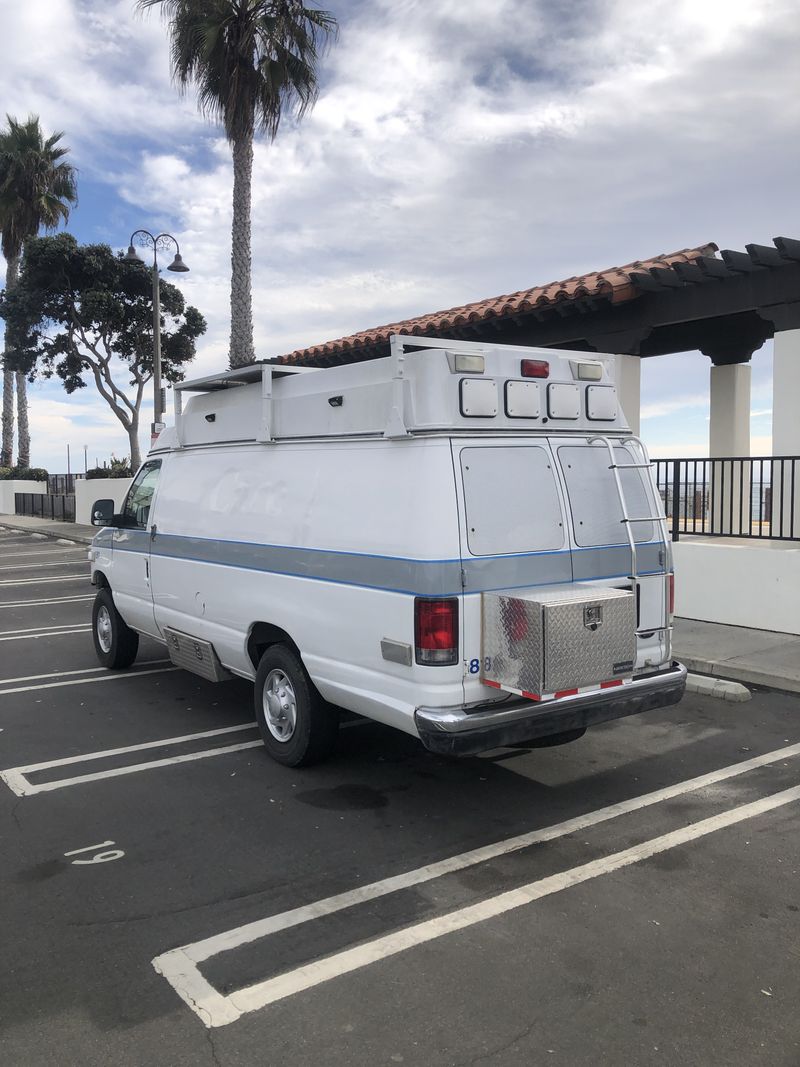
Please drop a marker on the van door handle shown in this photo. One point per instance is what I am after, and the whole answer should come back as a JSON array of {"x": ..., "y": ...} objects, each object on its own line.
[{"x": 153, "y": 532}]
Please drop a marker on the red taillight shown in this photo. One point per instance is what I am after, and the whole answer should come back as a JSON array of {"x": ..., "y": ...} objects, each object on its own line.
[
  {"x": 534, "y": 368},
  {"x": 436, "y": 631},
  {"x": 672, "y": 594}
]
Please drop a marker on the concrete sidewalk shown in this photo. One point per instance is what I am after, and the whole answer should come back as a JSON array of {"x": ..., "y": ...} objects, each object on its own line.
[
  {"x": 760, "y": 657},
  {"x": 70, "y": 531}
]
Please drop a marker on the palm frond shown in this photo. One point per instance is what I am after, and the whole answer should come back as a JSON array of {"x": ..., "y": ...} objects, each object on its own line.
[
  {"x": 249, "y": 61},
  {"x": 37, "y": 187}
]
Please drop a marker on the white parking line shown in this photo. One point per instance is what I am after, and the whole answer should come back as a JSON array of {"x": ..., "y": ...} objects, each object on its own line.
[
  {"x": 179, "y": 965},
  {"x": 51, "y": 563},
  {"x": 16, "y": 777},
  {"x": 52, "y": 628},
  {"x": 286, "y": 985},
  {"x": 40, "y": 552},
  {"x": 109, "y": 676},
  {"x": 41, "y": 603},
  {"x": 63, "y": 632},
  {"x": 65, "y": 674},
  {"x": 4, "y": 582}
]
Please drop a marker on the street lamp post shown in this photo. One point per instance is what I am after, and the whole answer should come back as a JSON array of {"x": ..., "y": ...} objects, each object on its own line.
[{"x": 146, "y": 240}]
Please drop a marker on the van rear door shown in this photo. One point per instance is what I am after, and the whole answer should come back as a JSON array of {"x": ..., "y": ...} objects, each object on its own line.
[
  {"x": 512, "y": 517},
  {"x": 601, "y": 550}
]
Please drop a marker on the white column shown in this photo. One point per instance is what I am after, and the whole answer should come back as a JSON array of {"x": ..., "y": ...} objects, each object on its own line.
[
  {"x": 729, "y": 435},
  {"x": 629, "y": 388},
  {"x": 786, "y": 394},
  {"x": 786, "y": 432}
]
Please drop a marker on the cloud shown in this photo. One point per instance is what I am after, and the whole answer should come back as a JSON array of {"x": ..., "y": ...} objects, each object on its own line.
[{"x": 457, "y": 151}]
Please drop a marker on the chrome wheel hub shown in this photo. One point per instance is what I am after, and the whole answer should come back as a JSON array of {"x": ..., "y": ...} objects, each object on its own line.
[
  {"x": 280, "y": 706},
  {"x": 104, "y": 635}
]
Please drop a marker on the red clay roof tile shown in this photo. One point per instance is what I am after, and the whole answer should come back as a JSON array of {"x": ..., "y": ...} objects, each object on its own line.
[{"x": 614, "y": 283}]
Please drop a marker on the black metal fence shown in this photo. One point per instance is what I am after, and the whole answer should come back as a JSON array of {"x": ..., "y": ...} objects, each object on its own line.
[
  {"x": 59, "y": 506},
  {"x": 61, "y": 483},
  {"x": 732, "y": 496}
]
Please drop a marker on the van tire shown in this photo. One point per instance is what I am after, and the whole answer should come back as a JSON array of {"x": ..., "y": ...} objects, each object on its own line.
[
  {"x": 115, "y": 643},
  {"x": 286, "y": 702}
]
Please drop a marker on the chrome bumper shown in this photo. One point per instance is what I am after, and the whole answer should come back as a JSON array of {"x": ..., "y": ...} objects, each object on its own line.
[{"x": 467, "y": 730}]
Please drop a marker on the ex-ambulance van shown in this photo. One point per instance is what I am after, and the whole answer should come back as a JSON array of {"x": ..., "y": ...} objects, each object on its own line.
[{"x": 463, "y": 541}]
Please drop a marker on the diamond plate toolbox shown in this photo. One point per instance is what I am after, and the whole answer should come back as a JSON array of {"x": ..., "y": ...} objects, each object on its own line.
[{"x": 544, "y": 641}]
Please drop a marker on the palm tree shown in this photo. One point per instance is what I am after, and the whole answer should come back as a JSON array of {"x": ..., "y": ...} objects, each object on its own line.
[
  {"x": 37, "y": 189},
  {"x": 250, "y": 60}
]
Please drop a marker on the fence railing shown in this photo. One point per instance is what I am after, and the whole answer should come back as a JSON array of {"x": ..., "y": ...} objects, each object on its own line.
[
  {"x": 61, "y": 483},
  {"x": 59, "y": 506},
  {"x": 732, "y": 496}
]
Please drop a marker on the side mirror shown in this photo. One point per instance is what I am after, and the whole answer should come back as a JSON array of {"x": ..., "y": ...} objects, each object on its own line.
[{"x": 103, "y": 513}]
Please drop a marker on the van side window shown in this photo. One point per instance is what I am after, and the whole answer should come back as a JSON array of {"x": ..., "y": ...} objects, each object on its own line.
[
  {"x": 511, "y": 500},
  {"x": 136, "y": 510},
  {"x": 593, "y": 498}
]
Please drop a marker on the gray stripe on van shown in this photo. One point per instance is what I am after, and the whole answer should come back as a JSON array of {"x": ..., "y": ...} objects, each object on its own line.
[
  {"x": 614, "y": 560},
  {"x": 417, "y": 577},
  {"x": 506, "y": 572},
  {"x": 422, "y": 577}
]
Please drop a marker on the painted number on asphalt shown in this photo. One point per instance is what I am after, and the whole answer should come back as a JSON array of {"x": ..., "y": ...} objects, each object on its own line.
[{"x": 99, "y": 855}]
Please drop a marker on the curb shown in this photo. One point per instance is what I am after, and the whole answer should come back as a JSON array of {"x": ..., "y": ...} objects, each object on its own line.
[
  {"x": 53, "y": 535},
  {"x": 750, "y": 675},
  {"x": 720, "y": 688}
]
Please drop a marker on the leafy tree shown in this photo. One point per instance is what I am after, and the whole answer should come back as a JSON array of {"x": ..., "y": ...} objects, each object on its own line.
[
  {"x": 249, "y": 60},
  {"x": 84, "y": 314},
  {"x": 37, "y": 188}
]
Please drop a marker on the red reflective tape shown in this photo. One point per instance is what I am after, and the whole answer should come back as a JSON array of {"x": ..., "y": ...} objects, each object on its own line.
[
  {"x": 565, "y": 693},
  {"x": 530, "y": 696},
  {"x": 494, "y": 685},
  {"x": 608, "y": 685}
]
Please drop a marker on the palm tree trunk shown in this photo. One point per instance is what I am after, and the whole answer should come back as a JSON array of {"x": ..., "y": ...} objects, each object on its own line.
[
  {"x": 7, "y": 452},
  {"x": 6, "y": 455},
  {"x": 241, "y": 350},
  {"x": 23, "y": 427}
]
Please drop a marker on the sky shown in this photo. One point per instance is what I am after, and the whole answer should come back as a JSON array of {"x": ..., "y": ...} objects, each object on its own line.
[{"x": 459, "y": 149}]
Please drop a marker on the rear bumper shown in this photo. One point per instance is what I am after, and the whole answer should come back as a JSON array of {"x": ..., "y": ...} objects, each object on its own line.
[{"x": 463, "y": 731}]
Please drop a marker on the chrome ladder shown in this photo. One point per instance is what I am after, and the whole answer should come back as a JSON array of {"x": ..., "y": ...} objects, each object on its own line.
[{"x": 629, "y": 520}]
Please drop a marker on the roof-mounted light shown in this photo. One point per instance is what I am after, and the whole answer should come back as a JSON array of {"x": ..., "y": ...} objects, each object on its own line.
[
  {"x": 466, "y": 363},
  {"x": 588, "y": 372},
  {"x": 534, "y": 368}
]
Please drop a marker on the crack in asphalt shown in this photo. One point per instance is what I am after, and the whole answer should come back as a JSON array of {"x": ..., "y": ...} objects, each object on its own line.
[
  {"x": 487, "y": 1057},
  {"x": 210, "y": 1038}
]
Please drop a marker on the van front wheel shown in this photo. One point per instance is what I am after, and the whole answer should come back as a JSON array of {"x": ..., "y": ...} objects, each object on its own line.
[
  {"x": 115, "y": 643},
  {"x": 297, "y": 727}
]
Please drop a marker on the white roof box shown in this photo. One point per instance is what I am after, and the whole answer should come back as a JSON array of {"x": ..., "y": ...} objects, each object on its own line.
[{"x": 426, "y": 385}]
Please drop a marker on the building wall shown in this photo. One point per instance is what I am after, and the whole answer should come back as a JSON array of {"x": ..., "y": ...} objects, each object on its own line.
[
  {"x": 87, "y": 490},
  {"x": 738, "y": 583}
]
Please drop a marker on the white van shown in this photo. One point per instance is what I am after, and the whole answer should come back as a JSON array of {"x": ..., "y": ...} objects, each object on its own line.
[{"x": 463, "y": 541}]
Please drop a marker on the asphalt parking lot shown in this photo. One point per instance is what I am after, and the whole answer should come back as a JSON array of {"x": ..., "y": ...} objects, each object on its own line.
[{"x": 170, "y": 896}]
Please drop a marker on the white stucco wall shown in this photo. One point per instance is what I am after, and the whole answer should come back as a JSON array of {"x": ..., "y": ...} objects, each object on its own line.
[
  {"x": 17, "y": 485},
  {"x": 87, "y": 490},
  {"x": 738, "y": 583}
]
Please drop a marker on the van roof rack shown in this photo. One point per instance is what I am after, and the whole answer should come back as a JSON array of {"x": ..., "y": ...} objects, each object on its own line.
[{"x": 253, "y": 372}]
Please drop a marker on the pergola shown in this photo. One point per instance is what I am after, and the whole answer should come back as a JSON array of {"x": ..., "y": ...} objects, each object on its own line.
[{"x": 724, "y": 305}]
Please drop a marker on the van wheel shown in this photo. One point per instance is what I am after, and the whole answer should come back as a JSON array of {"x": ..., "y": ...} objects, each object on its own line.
[
  {"x": 115, "y": 643},
  {"x": 297, "y": 727}
]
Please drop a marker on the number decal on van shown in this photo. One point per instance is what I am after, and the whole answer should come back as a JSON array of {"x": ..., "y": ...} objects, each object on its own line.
[{"x": 474, "y": 666}]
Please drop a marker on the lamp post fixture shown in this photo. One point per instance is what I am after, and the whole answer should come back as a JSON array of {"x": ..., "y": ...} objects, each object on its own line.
[{"x": 163, "y": 241}]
